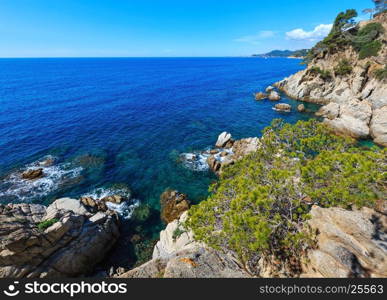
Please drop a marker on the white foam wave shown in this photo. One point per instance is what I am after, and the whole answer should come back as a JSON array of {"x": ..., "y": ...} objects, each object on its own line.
[
  {"x": 124, "y": 209},
  {"x": 197, "y": 161},
  {"x": 15, "y": 188}
]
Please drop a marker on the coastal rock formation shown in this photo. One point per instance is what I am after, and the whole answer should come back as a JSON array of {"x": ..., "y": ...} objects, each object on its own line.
[
  {"x": 61, "y": 240},
  {"x": 355, "y": 99},
  {"x": 223, "y": 139},
  {"x": 301, "y": 108},
  {"x": 283, "y": 107},
  {"x": 349, "y": 243},
  {"x": 179, "y": 256},
  {"x": 218, "y": 159},
  {"x": 173, "y": 204},
  {"x": 260, "y": 96},
  {"x": 33, "y": 174},
  {"x": 274, "y": 96}
]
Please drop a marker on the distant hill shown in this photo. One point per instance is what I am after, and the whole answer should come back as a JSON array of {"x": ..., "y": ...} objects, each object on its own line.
[{"x": 284, "y": 53}]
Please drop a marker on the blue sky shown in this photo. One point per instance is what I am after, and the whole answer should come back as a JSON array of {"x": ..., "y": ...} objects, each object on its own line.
[{"x": 85, "y": 28}]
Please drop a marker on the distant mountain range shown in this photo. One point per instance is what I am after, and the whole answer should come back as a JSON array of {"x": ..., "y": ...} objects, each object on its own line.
[{"x": 284, "y": 53}]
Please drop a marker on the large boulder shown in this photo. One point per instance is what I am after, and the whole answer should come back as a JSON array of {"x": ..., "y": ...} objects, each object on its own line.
[
  {"x": 173, "y": 204},
  {"x": 283, "y": 107},
  {"x": 329, "y": 111},
  {"x": 32, "y": 174},
  {"x": 349, "y": 243},
  {"x": 353, "y": 120},
  {"x": 260, "y": 96},
  {"x": 223, "y": 139},
  {"x": 62, "y": 240},
  {"x": 274, "y": 96}
]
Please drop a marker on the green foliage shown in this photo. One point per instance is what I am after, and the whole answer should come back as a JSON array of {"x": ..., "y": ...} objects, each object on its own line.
[
  {"x": 370, "y": 49},
  {"x": 45, "y": 224},
  {"x": 346, "y": 179},
  {"x": 336, "y": 39},
  {"x": 343, "y": 68},
  {"x": 381, "y": 74},
  {"x": 177, "y": 233},
  {"x": 258, "y": 207},
  {"x": 365, "y": 40},
  {"x": 324, "y": 74}
]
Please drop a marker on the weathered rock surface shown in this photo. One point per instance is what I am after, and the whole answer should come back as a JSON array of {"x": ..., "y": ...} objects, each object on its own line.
[
  {"x": 173, "y": 204},
  {"x": 223, "y": 139},
  {"x": 239, "y": 148},
  {"x": 274, "y": 96},
  {"x": 33, "y": 174},
  {"x": 182, "y": 257},
  {"x": 260, "y": 96},
  {"x": 357, "y": 101},
  {"x": 69, "y": 247},
  {"x": 283, "y": 107},
  {"x": 349, "y": 243},
  {"x": 301, "y": 108}
]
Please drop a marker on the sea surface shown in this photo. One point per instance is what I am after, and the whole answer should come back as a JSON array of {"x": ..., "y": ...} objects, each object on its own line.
[{"x": 114, "y": 124}]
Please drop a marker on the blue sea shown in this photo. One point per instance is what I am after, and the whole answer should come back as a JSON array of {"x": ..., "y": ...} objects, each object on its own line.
[{"x": 111, "y": 124}]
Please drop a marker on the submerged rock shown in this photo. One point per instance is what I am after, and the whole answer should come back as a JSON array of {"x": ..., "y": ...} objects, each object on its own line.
[
  {"x": 173, "y": 204},
  {"x": 33, "y": 174},
  {"x": 61, "y": 240}
]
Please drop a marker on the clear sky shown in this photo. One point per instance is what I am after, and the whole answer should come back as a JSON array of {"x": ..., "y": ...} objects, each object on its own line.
[{"x": 59, "y": 28}]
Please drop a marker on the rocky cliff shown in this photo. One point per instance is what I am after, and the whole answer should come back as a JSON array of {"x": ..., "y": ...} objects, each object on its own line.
[
  {"x": 355, "y": 98},
  {"x": 61, "y": 240},
  {"x": 348, "y": 244}
]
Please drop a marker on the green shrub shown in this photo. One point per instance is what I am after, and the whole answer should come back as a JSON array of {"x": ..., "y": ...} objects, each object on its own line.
[
  {"x": 324, "y": 74},
  {"x": 381, "y": 74},
  {"x": 258, "y": 207},
  {"x": 177, "y": 233},
  {"x": 343, "y": 68},
  {"x": 370, "y": 49},
  {"x": 45, "y": 224},
  {"x": 365, "y": 40}
]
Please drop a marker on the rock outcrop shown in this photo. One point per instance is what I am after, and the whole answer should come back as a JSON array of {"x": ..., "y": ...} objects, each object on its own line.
[
  {"x": 355, "y": 102},
  {"x": 232, "y": 151},
  {"x": 61, "y": 240},
  {"x": 274, "y": 96},
  {"x": 173, "y": 204},
  {"x": 283, "y": 107},
  {"x": 349, "y": 243},
  {"x": 179, "y": 256},
  {"x": 223, "y": 140},
  {"x": 32, "y": 174}
]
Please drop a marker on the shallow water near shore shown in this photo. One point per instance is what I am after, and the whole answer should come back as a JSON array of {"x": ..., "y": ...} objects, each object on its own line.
[{"x": 125, "y": 121}]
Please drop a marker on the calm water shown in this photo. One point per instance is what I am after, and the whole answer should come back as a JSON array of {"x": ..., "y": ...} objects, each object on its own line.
[{"x": 125, "y": 121}]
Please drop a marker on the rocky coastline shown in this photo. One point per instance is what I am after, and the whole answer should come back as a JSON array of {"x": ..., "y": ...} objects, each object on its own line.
[
  {"x": 354, "y": 99},
  {"x": 70, "y": 237}
]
